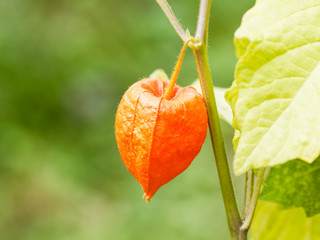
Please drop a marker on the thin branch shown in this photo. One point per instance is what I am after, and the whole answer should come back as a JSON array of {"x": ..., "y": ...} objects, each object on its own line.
[
  {"x": 203, "y": 20},
  {"x": 248, "y": 192},
  {"x": 172, "y": 18},
  {"x": 254, "y": 199}
]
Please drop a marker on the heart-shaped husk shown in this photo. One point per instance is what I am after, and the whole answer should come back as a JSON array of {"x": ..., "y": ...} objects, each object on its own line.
[{"x": 158, "y": 138}]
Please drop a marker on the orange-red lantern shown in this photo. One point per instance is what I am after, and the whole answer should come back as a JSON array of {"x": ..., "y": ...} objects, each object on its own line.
[
  {"x": 157, "y": 137},
  {"x": 160, "y": 128}
]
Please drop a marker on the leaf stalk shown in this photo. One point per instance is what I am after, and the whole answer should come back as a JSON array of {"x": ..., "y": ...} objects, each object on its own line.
[
  {"x": 172, "y": 18},
  {"x": 248, "y": 192},
  {"x": 253, "y": 202}
]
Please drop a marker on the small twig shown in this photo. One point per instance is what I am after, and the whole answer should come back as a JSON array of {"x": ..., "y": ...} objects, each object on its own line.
[
  {"x": 254, "y": 199},
  {"x": 247, "y": 192},
  {"x": 172, "y": 18},
  {"x": 203, "y": 20}
]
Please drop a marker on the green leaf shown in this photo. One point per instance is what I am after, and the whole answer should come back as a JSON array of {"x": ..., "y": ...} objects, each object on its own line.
[
  {"x": 271, "y": 222},
  {"x": 294, "y": 184},
  {"x": 159, "y": 73},
  {"x": 224, "y": 109},
  {"x": 276, "y": 93}
]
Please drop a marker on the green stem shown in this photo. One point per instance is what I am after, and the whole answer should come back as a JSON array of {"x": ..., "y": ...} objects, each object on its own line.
[
  {"x": 203, "y": 20},
  {"x": 231, "y": 208},
  {"x": 203, "y": 68},
  {"x": 253, "y": 202},
  {"x": 247, "y": 192}
]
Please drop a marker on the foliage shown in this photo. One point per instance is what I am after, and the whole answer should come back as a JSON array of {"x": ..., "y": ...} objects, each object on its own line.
[
  {"x": 272, "y": 222},
  {"x": 294, "y": 184},
  {"x": 274, "y": 98},
  {"x": 277, "y": 87}
]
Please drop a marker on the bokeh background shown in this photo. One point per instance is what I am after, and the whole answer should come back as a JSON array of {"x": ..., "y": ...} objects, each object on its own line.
[{"x": 64, "y": 66}]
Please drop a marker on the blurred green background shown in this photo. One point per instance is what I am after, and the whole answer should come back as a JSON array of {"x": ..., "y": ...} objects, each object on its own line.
[{"x": 64, "y": 66}]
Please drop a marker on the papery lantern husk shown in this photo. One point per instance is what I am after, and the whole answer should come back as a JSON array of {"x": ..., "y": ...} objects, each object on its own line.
[{"x": 158, "y": 138}]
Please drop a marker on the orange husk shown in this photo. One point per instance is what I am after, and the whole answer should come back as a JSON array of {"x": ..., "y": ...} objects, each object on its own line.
[{"x": 158, "y": 138}]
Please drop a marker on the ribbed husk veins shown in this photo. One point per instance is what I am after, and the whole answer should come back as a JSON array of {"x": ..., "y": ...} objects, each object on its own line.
[{"x": 158, "y": 138}]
